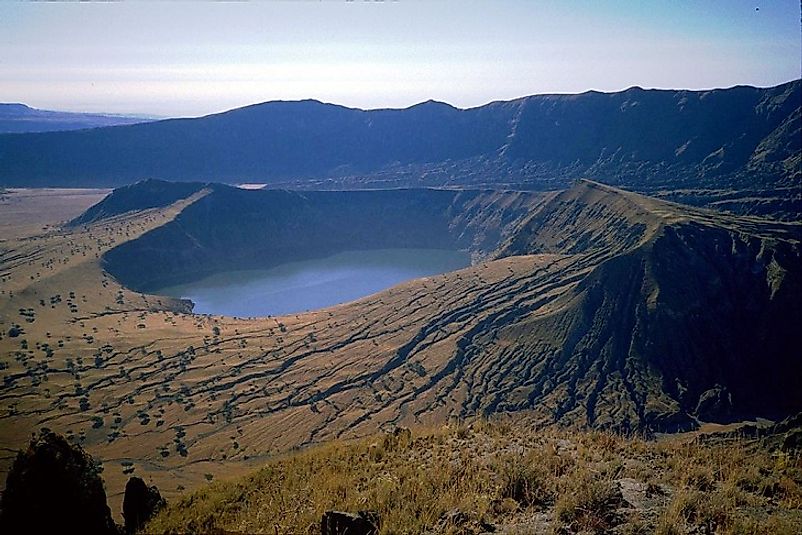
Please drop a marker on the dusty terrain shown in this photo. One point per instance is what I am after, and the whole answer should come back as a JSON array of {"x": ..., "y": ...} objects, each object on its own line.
[
  {"x": 25, "y": 212},
  {"x": 179, "y": 399},
  {"x": 101, "y": 363}
]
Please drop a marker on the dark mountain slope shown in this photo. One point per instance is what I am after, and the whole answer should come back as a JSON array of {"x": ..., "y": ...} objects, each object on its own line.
[
  {"x": 139, "y": 196},
  {"x": 691, "y": 325},
  {"x": 649, "y": 140},
  {"x": 262, "y": 142},
  {"x": 19, "y": 118},
  {"x": 685, "y": 315},
  {"x": 637, "y": 131},
  {"x": 231, "y": 228}
]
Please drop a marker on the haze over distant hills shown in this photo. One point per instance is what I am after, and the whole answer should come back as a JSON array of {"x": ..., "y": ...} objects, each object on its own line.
[
  {"x": 744, "y": 138},
  {"x": 19, "y": 118}
]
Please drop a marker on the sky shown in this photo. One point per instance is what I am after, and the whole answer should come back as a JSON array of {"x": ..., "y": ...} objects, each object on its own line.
[{"x": 189, "y": 59}]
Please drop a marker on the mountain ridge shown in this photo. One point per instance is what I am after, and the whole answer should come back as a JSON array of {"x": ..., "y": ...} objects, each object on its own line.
[
  {"x": 18, "y": 118},
  {"x": 741, "y": 139}
]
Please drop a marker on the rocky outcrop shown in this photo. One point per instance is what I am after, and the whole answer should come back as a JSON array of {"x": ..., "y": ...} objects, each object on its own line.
[
  {"x": 340, "y": 523},
  {"x": 55, "y": 487},
  {"x": 140, "y": 504}
]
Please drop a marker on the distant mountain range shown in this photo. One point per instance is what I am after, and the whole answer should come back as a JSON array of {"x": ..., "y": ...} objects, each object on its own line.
[
  {"x": 743, "y": 139},
  {"x": 19, "y": 118}
]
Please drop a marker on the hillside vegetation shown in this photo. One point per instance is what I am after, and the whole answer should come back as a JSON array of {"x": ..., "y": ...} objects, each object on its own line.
[
  {"x": 594, "y": 306},
  {"x": 506, "y": 477}
]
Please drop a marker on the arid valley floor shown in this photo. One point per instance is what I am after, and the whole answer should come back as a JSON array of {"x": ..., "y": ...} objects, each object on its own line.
[{"x": 179, "y": 399}]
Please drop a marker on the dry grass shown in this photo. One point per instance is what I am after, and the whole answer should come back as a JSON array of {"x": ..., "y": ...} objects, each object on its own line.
[
  {"x": 25, "y": 212},
  {"x": 181, "y": 398},
  {"x": 732, "y": 488},
  {"x": 501, "y": 474}
]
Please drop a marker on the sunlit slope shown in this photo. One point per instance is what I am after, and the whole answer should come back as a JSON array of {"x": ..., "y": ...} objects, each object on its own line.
[{"x": 601, "y": 307}]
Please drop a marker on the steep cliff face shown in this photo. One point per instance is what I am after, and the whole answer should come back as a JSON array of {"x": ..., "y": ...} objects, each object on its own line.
[
  {"x": 645, "y": 135},
  {"x": 231, "y": 228},
  {"x": 683, "y": 315},
  {"x": 698, "y": 323},
  {"x": 720, "y": 316}
]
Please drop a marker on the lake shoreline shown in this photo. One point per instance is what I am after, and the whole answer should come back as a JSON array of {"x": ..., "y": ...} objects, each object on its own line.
[{"x": 306, "y": 285}]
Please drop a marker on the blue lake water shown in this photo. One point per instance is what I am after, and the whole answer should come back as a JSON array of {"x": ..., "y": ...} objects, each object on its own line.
[{"x": 313, "y": 284}]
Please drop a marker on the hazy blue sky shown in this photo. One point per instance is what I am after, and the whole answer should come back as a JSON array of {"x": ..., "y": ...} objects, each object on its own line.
[{"x": 193, "y": 59}]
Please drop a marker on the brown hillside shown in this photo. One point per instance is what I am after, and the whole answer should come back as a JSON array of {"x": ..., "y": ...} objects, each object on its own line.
[{"x": 601, "y": 307}]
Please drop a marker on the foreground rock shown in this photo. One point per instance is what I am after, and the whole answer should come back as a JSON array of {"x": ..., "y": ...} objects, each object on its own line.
[
  {"x": 340, "y": 523},
  {"x": 55, "y": 487},
  {"x": 140, "y": 504}
]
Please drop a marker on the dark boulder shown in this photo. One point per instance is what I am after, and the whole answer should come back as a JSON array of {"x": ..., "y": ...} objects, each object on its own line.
[
  {"x": 792, "y": 440},
  {"x": 340, "y": 523},
  {"x": 54, "y": 487},
  {"x": 790, "y": 433},
  {"x": 140, "y": 504},
  {"x": 715, "y": 405},
  {"x": 789, "y": 424}
]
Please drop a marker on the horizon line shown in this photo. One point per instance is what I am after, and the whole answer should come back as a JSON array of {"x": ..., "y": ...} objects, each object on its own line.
[{"x": 155, "y": 118}]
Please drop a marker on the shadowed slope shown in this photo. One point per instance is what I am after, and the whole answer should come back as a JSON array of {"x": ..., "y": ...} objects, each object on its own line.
[
  {"x": 136, "y": 197},
  {"x": 743, "y": 138},
  {"x": 232, "y": 229},
  {"x": 611, "y": 310},
  {"x": 691, "y": 314}
]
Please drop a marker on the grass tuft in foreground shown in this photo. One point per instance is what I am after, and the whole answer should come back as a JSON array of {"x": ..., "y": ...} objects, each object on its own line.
[{"x": 463, "y": 479}]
